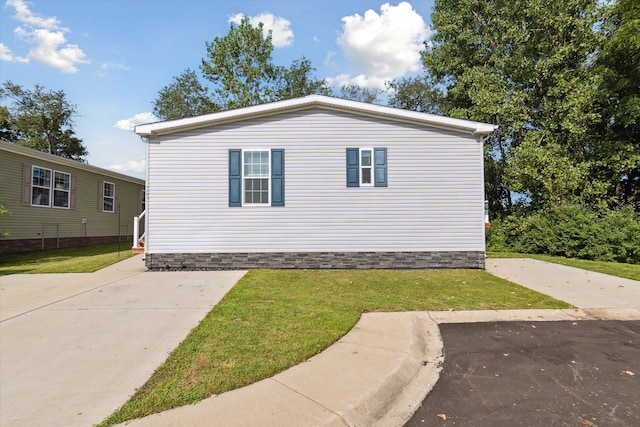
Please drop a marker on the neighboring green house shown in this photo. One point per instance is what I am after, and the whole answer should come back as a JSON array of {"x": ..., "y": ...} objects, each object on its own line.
[{"x": 55, "y": 202}]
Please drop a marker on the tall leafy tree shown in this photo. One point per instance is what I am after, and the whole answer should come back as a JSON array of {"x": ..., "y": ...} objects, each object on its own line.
[
  {"x": 240, "y": 71},
  {"x": 525, "y": 65},
  {"x": 41, "y": 120},
  {"x": 619, "y": 100},
  {"x": 359, "y": 93},
  {"x": 185, "y": 96},
  {"x": 300, "y": 80},
  {"x": 241, "y": 67},
  {"x": 415, "y": 93}
]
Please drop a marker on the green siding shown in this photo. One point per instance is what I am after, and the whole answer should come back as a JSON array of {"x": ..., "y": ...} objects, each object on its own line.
[{"x": 29, "y": 222}]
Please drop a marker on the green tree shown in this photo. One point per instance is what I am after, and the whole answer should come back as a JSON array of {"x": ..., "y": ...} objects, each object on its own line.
[
  {"x": 299, "y": 80},
  {"x": 240, "y": 66},
  {"x": 359, "y": 93},
  {"x": 185, "y": 96},
  {"x": 240, "y": 70},
  {"x": 41, "y": 120},
  {"x": 415, "y": 93},
  {"x": 619, "y": 129},
  {"x": 527, "y": 67}
]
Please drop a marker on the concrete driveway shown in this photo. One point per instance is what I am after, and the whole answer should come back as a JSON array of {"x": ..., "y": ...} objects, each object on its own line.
[{"x": 74, "y": 347}]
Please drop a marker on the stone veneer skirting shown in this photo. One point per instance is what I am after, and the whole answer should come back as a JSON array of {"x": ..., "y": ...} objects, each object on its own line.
[{"x": 316, "y": 260}]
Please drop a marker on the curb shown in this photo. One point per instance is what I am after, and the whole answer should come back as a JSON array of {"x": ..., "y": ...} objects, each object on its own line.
[{"x": 377, "y": 375}]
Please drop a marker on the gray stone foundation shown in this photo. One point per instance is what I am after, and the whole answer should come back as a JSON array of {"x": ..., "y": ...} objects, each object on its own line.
[{"x": 316, "y": 260}]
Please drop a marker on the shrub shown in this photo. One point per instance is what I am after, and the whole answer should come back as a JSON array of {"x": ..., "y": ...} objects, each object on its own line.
[{"x": 571, "y": 230}]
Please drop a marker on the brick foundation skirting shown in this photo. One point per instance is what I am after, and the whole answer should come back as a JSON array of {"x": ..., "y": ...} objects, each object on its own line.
[
  {"x": 317, "y": 260},
  {"x": 10, "y": 246}
]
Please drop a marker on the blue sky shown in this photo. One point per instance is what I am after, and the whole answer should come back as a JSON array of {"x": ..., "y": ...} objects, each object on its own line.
[{"x": 111, "y": 57}]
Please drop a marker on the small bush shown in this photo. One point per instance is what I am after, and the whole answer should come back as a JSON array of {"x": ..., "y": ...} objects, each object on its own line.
[{"x": 573, "y": 231}]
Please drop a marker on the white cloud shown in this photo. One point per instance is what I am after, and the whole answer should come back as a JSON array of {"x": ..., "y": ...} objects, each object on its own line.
[
  {"x": 130, "y": 166},
  {"x": 105, "y": 67},
  {"x": 48, "y": 36},
  {"x": 140, "y": 118},
  {"x": 382, "y": 47},
  {"x": 328, "y": 59},
  {"x": 281, "y": 32},
  {"x": 7, "y": 55},
  {"x": 24, "y": 15}
]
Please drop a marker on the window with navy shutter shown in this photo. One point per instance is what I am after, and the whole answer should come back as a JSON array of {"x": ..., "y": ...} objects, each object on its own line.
[
  {"x": 256, "y": 177},
  {"x": 366, "y": 167}
]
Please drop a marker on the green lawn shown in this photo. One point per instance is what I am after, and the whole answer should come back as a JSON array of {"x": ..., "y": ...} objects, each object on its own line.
[
  {"x": 85, "y": 259},
  {"x": 274, "y": 319},
  {"x": 629, "y": 271}
]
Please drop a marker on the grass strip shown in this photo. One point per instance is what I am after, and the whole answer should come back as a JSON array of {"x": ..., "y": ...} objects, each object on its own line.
[
  {"x": 274, "y": 319},
  {"x": 86, "y": 259},
  {"x": 628, "y": 271}
]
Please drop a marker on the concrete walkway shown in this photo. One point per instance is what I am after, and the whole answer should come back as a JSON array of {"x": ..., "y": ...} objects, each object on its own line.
[
  {"x": 74, "y": 347},
  {"x": 580, "y": 288}
]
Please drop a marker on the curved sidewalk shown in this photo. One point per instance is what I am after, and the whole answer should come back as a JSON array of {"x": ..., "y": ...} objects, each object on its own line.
[{"x": 376, "y": 375}]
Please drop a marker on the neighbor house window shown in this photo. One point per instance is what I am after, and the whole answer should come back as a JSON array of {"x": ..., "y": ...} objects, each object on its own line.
[
  {"x": 256, "y": 177},
  {"x": 50, "y": 188},
  {"x": 366, "y": 167},
  {"x": 61, "y": 189},
  {"x": 40, "y": 186},
  {"x": 108, "y": 197}
]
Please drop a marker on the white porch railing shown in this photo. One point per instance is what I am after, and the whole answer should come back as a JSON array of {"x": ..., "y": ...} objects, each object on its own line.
[{"x": 136, "y": 230}]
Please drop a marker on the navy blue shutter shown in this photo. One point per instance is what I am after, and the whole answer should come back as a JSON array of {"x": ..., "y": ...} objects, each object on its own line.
[
  {"x": 380, "y": 167},
  {"x": 235, "y": 178},
  {"x": 353, "y": 164},
  {"x": 277, "y": 177}
]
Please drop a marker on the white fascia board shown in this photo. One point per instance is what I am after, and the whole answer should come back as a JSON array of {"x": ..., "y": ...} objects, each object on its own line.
[{"x": 171, "y": 126}]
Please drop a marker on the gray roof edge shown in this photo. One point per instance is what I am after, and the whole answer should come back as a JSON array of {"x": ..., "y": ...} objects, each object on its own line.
[
  {"x": 35, "y": 154},
  {"x": 311, "y": 101}
]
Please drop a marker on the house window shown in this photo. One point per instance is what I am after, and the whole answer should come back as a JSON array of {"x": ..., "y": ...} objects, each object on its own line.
[
  {"x": 108, "y": 196},
  {"x": 61, "y": 189},
  {"x": 256, "y": 177},
  {"x": 47, "y": 187},
  {"x": 40, "y": 186},
  {"x": 366, "y": 167},
  {"x": 255, "y": 167}
]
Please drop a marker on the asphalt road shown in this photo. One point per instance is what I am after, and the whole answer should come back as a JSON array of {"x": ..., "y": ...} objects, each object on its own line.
[{"x": 584, "y": 373}]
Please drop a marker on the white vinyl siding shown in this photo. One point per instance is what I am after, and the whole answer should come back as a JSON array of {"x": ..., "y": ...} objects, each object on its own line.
[{"x": 433, "y": 202}]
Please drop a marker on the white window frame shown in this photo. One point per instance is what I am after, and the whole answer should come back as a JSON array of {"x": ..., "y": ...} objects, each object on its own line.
[
  {"x": 362, "y": 168},
  {"x": 59, "y": 190},
  {"x": 267, "y": 176},
  {"x": 105, "y": 197},
  {"x": 33, "y": 186}
]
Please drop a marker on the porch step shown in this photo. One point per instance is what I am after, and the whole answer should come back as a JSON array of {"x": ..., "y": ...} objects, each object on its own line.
[{"x": 140, "y": 248}]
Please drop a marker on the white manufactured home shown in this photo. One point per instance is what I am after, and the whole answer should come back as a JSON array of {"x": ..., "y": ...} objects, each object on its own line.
[{"x": 315, "y": 182}]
